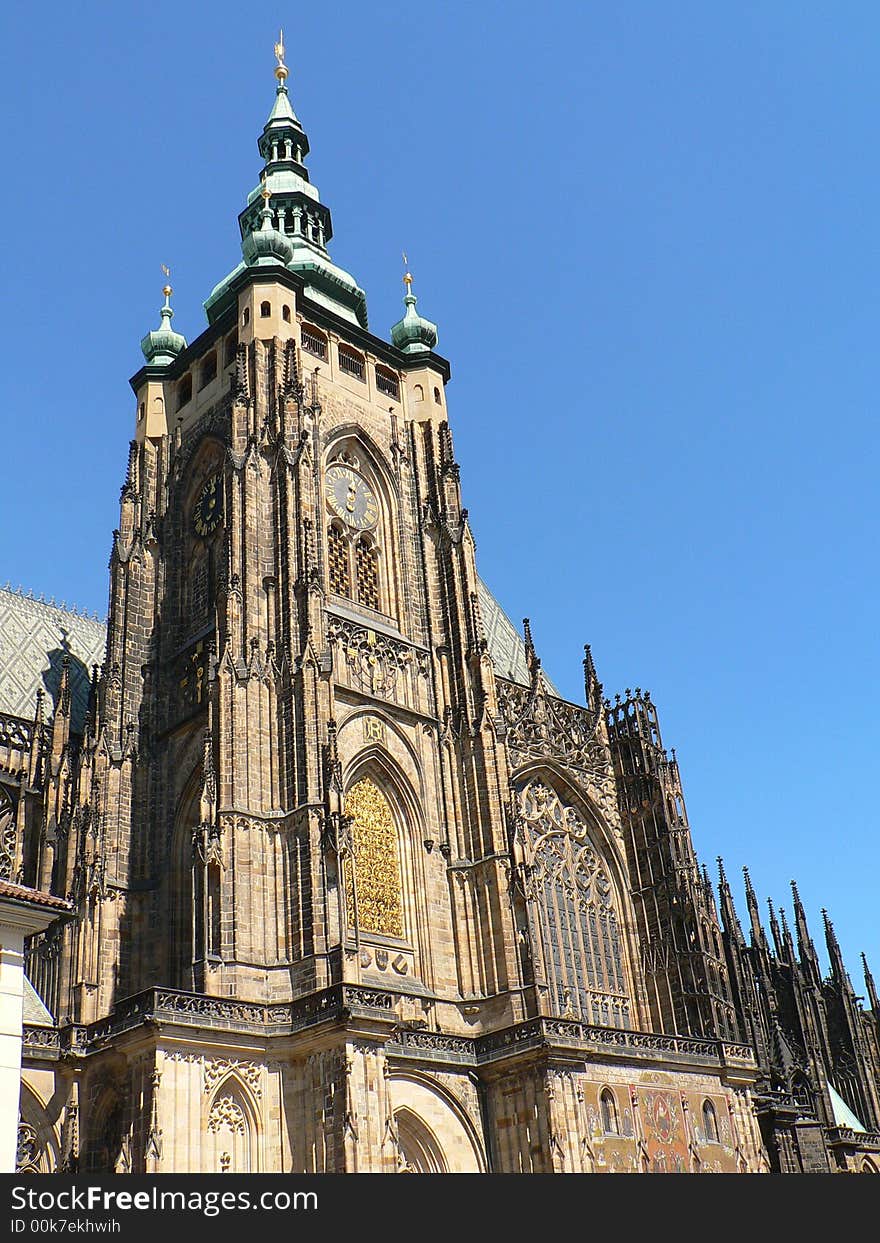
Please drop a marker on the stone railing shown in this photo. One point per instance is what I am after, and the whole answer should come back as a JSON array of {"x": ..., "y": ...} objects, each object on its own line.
[
  {"x": 342, "y": 1002},
  {"x": 860, "y": 1139}
]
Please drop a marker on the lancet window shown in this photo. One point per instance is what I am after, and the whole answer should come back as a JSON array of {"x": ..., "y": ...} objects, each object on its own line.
[{"x": 574, "y": 911}]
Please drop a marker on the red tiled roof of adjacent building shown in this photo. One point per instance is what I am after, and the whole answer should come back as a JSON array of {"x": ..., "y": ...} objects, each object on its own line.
[{"x": 34, "y": 897}]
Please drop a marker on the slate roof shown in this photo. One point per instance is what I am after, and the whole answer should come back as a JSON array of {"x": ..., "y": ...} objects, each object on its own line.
[{"x": 34, "y": 637}]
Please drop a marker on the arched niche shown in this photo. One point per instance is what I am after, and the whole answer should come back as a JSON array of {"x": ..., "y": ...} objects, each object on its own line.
[
  {"x": 231, "y": 1130},
  {"x": 434, "y": 1132},
  {"x": 181, "y": 895},
  {"x": 106, "y": 1133},
  {"x": 401, "y": 789}
]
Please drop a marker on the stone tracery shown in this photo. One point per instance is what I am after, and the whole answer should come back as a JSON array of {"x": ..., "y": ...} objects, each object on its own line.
[{"x": 573, "y": 903}]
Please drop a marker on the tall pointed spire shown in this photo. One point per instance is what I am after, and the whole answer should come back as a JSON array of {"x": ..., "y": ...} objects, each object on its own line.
[
  {"x": 296, "y": 214},
  {"x": 835, "y": 957},
  {"x": 806, "y": 949},
  {"x": 787, "y": 939},
  {"x": 729, "y": 917},
  {"x": 871, "y": 988},
  {"x": 774, "y": 930},
  {"x": 758, "y": 937}
]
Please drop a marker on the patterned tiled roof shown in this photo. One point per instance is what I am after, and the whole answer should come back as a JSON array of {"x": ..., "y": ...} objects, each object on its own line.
[
  {"x": 34, "y": 1012},
  {"x": 506, "y": 646},
  {"x": 34, "y": 637}
]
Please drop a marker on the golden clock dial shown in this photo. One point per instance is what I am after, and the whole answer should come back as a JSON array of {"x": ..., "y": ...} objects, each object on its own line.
[
  {"x": 350, "y": 498},
  {"x": 208, "y": 509}
]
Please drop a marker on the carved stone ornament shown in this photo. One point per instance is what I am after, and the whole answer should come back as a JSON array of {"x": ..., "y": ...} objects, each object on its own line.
[
  {"x": 7, "y": 836},
  {"x": 374, "y": 660},
  {"x": 29, "y": 1151},
  {"x": 247, "y": 1072},
  {"x": 226, "y": 1112},
  {"x": 539, "y": 725}
]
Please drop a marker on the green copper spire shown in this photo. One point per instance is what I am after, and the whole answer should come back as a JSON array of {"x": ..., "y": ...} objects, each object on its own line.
[
  {"x": 163, "y": 344},
  {"x": 413, "y": 334},
  {"x": 297, "y": 214}
]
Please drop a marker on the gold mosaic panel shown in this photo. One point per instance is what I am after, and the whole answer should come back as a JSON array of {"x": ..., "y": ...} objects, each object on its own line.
[{"x": 376, "y": 865}]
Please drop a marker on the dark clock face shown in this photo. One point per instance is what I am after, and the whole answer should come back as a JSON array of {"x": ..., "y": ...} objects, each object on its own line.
[
  {"x": 350, "y": 498},
  {"x": 208, "y": 509}
]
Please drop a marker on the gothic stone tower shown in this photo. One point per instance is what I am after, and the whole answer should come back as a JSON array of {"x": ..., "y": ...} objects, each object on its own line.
[{"x": 356, "y": 889}]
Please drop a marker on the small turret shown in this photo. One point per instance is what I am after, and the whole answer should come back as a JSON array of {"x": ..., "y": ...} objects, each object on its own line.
[
  {"x": 163, "y": 344},
  {"x": 413, "y": 334},
  {"x": 266, "y": 246}
]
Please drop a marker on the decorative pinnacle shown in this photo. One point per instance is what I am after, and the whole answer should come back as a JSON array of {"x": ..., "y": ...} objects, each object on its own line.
[
  {"x": 407, "y": 275},
  {"x": 281, "y": 70}
]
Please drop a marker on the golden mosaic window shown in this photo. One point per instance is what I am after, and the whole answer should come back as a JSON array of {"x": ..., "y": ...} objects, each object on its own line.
[
  {"x": 372, "y": 885},
  {"x": 337, "y": 562}
]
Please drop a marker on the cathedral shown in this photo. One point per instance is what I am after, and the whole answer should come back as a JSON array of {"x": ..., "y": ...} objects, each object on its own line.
[{"x": 351, "y": 887}]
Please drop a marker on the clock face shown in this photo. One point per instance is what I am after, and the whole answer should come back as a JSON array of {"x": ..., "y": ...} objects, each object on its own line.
[
  {"x": 208, "y": 509},
  {"x": 350, "y": 498}
]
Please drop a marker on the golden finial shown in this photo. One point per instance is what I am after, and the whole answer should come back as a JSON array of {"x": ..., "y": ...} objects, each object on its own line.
[
  {"x": 265, "y": 194},
  {"x": 281, "y": 69},
  {"x": 166, "y": 288},
  {"x": 407, "y": 275}
]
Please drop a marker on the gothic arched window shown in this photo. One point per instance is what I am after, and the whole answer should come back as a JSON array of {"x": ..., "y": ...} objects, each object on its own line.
[
  {"x": 338, "y": 573},
  {"x": 355, "y": 532},
  {"x": 608, "y": 1106},
  {"x": 367, "y": 567},
  {"x": 372, "y": 886},
  {"x": 574, "y": 907},
  {"x": 710, "y": 1123}
]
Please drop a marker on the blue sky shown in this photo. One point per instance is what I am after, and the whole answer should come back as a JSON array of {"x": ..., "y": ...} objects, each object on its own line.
[{"x": 648, "y": 235}]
